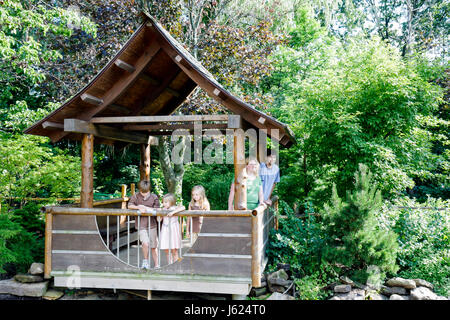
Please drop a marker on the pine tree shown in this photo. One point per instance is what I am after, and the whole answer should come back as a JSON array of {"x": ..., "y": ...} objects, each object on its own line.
[{"x": 355, "y": 239}]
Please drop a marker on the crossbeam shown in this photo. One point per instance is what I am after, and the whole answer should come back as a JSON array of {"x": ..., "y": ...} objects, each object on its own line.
[
  {"x": 144, "y": 119},
  {"x": 80, "y": 126}
]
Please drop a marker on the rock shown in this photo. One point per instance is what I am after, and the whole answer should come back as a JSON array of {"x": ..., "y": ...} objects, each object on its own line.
[
  {"x": 284, "y": 266},
  {"x": 280, "y": 296},
  {"x": 347, "y": 280},
  {"x": 256, "y": 292},
  {"x": 10, "y": 286},
  {"x": 53, "y": 294},
  {"x": 28, "y": 278},
  {"x": 423, "y": 283},
  {"x": 342, "y": 288},
  {"x": 281, "y": 282},
  {"x": 423, "y": 293},
  {"x": 36, "y": 268},
  {"x": 393, "y": 290},
  {"x": 400, "y": 282},
  {"x": 356, "y": 294},
  {"x": 280, "y": 274},
  {"x": 373, "y": 295},
  {"x": 398, "y": 297},
  {"x": 277, "y": 277}
]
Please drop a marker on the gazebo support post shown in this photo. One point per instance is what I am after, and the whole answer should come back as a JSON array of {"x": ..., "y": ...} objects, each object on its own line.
[
  {"x": 144, "y": 166},
  {"x": 87, "y": 171}
]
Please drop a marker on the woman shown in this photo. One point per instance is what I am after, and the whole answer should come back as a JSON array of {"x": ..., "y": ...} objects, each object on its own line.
[{"x": 255, "y": 196}]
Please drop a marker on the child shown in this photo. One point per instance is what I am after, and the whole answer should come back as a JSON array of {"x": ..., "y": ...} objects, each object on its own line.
[
  {"x": 144, "y": 200},
  {"x": 170, "y": 240},
  {"x": 198, "y": 202}
]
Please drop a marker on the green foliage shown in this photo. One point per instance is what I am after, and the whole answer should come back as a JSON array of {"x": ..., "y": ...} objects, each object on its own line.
[
  {"x": 18, "y": 247},
  {"x": 311, "y": 287},
  {"x": 216, "y": 179},
  {"x": 30, "y": 168},
  {"x": 297, "y": 242},
  {"x": 355, "y": 239},
  {"x": 424, "y": 239}
]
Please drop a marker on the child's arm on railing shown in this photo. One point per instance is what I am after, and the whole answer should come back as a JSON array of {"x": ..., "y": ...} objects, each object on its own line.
[{"x": 178, "y": 209}]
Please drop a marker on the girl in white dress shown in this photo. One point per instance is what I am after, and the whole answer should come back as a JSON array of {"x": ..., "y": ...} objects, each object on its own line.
[{"x": 170, "y": 231}]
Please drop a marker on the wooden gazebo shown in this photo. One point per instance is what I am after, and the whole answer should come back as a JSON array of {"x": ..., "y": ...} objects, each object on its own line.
[{"x": 131, "y": 101}]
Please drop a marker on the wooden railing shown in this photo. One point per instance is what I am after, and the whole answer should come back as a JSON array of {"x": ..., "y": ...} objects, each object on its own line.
[{"x": 263, "y": 218}]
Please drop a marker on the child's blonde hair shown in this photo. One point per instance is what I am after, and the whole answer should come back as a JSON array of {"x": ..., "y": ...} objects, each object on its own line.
[
  {"x": 204, "y": 203},
  {"x": 257, "y": 163},
  {"x": 171, "y": 198}
]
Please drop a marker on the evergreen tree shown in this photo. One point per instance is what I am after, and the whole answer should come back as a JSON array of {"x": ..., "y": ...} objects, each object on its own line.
[{"x": 355, "y": 240}]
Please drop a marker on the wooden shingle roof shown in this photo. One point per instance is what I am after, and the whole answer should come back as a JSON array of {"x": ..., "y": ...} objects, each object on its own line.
[{"x": 152, "y": 74}]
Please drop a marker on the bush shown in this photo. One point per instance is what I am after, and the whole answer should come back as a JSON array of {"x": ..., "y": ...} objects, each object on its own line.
[
  {"x": 297, "y": 242},
  {"x": 21, "y": 238},
  {"x": 311, "y": 287},
  {"x": 355, "y": 240},
  {"x": 423, "y": 238}
]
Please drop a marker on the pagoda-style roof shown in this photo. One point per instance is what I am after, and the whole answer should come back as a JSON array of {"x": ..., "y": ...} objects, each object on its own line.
[{"x": 152, "y": 75}]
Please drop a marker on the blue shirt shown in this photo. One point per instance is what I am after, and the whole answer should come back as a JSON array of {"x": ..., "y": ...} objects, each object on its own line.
[{"x": 268, "y": 178}]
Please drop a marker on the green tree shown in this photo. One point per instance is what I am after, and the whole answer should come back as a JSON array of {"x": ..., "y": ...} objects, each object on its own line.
[
  {"x": 358, "y": 107},
  {"x": 355, "y": 240}
]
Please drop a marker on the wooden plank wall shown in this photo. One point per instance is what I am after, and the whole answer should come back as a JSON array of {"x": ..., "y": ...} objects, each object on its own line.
[
  {"x": 223, "y": 248},
  {"x": 77, "y": 242}
]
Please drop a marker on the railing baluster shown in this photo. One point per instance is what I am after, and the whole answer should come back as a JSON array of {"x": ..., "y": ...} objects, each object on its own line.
[
  {"x": 159, "y": 242},
  {"x": 118, "y": 236},
  {"x": 170, "y": 242},
  {"x": 179, "y": 249},
  {"x": 190, "y": 231},
  {"x": 107, "y": 231},
  {"x": 128, "y": 239},
  {"x": 139, "y": 238},
  {"x": 149, "y": 250}
]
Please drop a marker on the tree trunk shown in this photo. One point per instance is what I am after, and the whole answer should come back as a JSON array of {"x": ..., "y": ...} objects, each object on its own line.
[{"x": 173, "y": 172}]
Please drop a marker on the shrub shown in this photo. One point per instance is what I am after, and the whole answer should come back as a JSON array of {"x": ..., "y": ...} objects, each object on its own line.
[
  {"x": 423, "y": 238},
  {"x": 355, "y": 240},
  {"x": 21, "y": 238},
  {"x": 297, "y": 242}
]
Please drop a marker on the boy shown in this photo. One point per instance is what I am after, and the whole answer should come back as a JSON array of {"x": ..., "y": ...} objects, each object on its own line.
[
  {"x": 142, "y": 201},
  {"x": 270, "y": 176}
]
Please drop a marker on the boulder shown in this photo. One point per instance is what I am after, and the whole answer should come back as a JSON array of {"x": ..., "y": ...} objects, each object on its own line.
[
  {"x": 53, "y": 294},
  {"x": 393, "y": 290},
  {"x": 281, "y": 282},
  {"x": 10, "y": 286},
  {"x": 373, "y": 295},
  {"x": 256, "y": 292},
  {"x": 280, "y": 296},
  {"x": 356, "y": 294},
  {"x": 36, "y": 268},
  {"x": 423, "y": 283},
  {"x": 342, "y": 288},
  {"x": 28, "y": 278},
  {"x": 423, "y": 293},
  {"x": 400, "y": 282},
  {"x": 347, "y": 280},
  {"x": 398, "y": 297},
  {"x": 276, "y": 281}
]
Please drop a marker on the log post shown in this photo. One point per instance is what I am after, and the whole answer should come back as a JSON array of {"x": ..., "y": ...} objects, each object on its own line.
[
  {"x": 144, "y": 166},
  {"x": 256, "y": 250},
  {"x": 48, "y": 245},
  {"x": 262, "y": 145},
  {"x": 240, "y": 173},
  {"x": 87, "y": 171}
]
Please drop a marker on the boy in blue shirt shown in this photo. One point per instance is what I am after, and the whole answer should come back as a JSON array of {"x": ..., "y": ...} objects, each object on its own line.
[{"x": 270, "y": 176}]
